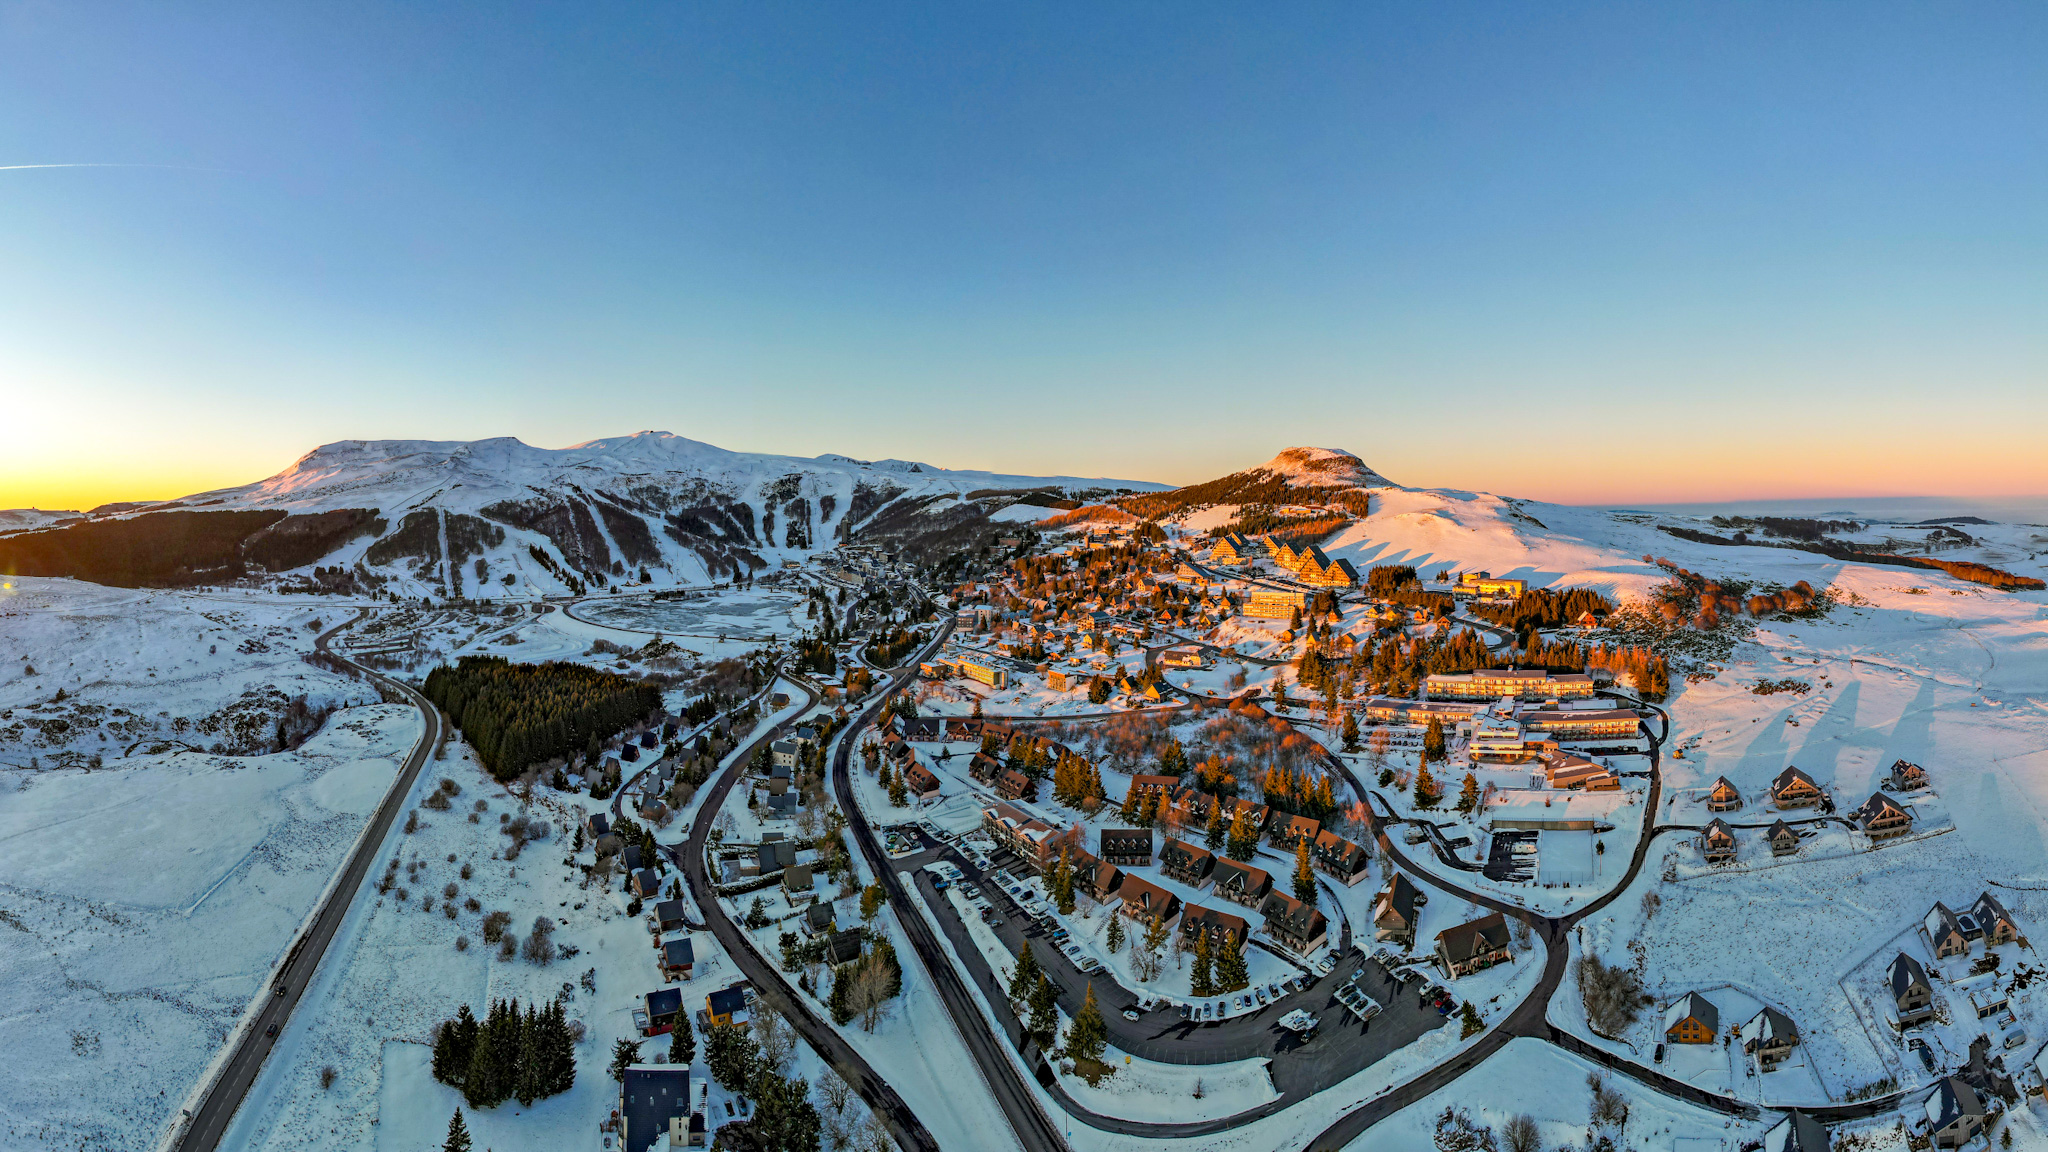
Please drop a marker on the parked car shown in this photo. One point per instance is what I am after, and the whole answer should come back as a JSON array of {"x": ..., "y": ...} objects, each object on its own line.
[
  {"x": 1187, "y": 1011},
  {"x": 1261, "y": 994},
  {"x": 1325, "y": 965},
  {"x": 1657, "y": 1057},
  {"x": 1130, "y": 1013},
  {"x": 1273, "y": 990},
  {"x": 1926, "y": 1054}
]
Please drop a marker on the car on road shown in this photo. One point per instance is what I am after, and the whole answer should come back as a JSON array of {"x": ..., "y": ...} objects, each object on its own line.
[
  {"x": 271, "y": 1031},
  {"x": 1130, "y": 1014}
]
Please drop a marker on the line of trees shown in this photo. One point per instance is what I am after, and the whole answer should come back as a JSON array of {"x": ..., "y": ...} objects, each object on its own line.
[
  {"x": 508, "y": 1055},
  {"x": 518, "y": 715}
]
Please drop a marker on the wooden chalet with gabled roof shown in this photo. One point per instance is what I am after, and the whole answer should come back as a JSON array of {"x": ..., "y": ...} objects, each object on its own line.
[
  {"x": 920, "y": 782},
  {"x": 1287, "y": 831},
  {"x": 1769, "y": 1037},
  {"x": 1996, "y": 924},
  {"x": 1692, "y": 1019},
  {"x": 1955, "y": 1113},
  {"x": 1724, "y": 796},
  {"x": 1906, "y": 776},
  {"x": 1396, "y": 910},
  {"x": 1186, "y": 863},
  {"x": 1945, "y": 932},
  {"x": 1143, "y": 786},
  {"x": 1241, "y": 883},
  {"x": 1129, "y": 847},
  {"x": 1145, "y": 901},
  {"x": 1783, "y": 839},
  {"x": 1298, "y": 927},
  {"x": 1225, "y": 930},
  {"x": 1718, "y": 842},
  {"x": 1882, "y": 818},
  {"x": 1339, "y": 858},
  {"x": 1474, "y": 945},
  {"x": 1912, "y": 996},
  {"x": 1795, "y": 789}
]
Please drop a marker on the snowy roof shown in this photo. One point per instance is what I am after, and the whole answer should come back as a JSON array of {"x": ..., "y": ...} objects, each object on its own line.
[
  {"x": 1905, "y": 973},
  {"x": 1696, "y": 1006},
  {"x": 652, "y": 1095},
  {"x": 1952, "y": 1100},
  {"x": 1797, "y": 1132}
]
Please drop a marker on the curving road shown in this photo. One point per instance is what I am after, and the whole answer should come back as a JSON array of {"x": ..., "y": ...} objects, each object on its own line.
[
  {"x": 204, "y": 1129},
  {"x": 768, "y": 984}
]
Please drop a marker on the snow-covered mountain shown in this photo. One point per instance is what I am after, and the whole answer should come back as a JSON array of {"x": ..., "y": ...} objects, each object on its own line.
[{"x": 613, "y": 507}]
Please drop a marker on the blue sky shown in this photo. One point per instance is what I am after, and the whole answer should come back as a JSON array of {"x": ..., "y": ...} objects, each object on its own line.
[{"x": 1619, "y": 253}]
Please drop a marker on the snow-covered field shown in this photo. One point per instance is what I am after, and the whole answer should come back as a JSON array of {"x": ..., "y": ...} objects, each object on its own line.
[{"x": 144, "y": 906}]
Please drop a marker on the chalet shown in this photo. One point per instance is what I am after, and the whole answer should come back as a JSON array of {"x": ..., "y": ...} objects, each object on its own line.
[
  {"x": 1034, "y": 841},
  {"x": 1718, "y": 842},
  {"x": 1339, "y": 858},
  {"x": 669, "y": 916},
  {"x": 728, "y": 1005},
  {"x": 818, "y": 918},
  {"x": 1226, "y": 932},
  {"x": 1906, "y": 776},
  {"x": 1241, "y": 883},
  {"x": 1912, "y": 996},
  {"x": 597, "y": 824},
  {"x": 1882, "y": 818},
  {"x": 646, "y": 883},
  {"x": 1143, "y": 786},
  {"x": 1946, "y": 932},
  {"x": 1994, "y": 921},
  {"x": 1126, "y": 846},
  {"x": 785, "y": 753},
  {"x": 633, "y": 859},
  {"x": 1395, "y": 911},
  {"x": 1691, "y": 1019},
  {"x": 1012, "y": 784},
  {"x": 984, "y": 768},
  {"x": 1145, "y": 901},
  {"x": 1287, "y": 831},
  {"x": 920, "y": 782},
  {"x": 774, "y": 853},
  {"x": 1472, "y": 946},
  {"x": 797, "y": 881},
  {"x": 1797, "y": 1132},
  {"x": 678, "y": 958},
  {"x": 1097, "y": 877},
  {"x": 1795, "y": 789},
  {"x": 660, "y": 1008},
  {"x": 1185, "y": 862},
  {"x": 654, "y": 1104},
  {"x": 1784, "y": 841},
  {"x": 652, "y": 810},
  {"x": 784, "y": 803},
  {"x": 1955, "y": 1114},
  {"x": 1769, "y": 1037},
  {"x": 1723, "y": 796},
  {"x": 1295, "y": 925},
  {"x": 1186, "y": 656},
  {"x": 843, "y": 947}
]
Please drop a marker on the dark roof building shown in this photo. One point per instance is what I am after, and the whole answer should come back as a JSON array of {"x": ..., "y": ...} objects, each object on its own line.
[
  {"x": 1126, "y": 846},
  {"x": 1474, "y": 945},
  {"x": 654, "y": 1102},
  {"x": 1241, "y": 883}
]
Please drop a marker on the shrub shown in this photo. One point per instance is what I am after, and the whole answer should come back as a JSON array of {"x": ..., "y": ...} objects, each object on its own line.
[
  {"x": 449, "y": 890},
  {"x": 467, "y": 871},
  {"x": 508, "y": 946},
  {"x": 472, "y": 905},
  {"x": 462, "y": 943},
  {"x": 438, "y": 802},
  {"x": 448, "y": 910},
  {"x": 494, "y": 926},
  {"x": 327, "y": 1075}
]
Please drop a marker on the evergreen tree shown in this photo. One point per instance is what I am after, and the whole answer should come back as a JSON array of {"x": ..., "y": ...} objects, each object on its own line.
[
  {"x": 1023, "y": 978},
  {"x": 899, "y": 793},
  {"x": 1433, "y": 741},
  {"x": 1155, "y": 935},
  {"x": 1231, "y": 971},
  {"x": 1212, "y": 836},
  {"x": 731, "y": 1056},
  {"x": 454, "y": 1047},
  {"x": 1468, "y": 796},
  {"x": 1202, "y": 980},
  {"x": 1350, "y": 731},
  {"x": 558, "y": 1054},
  {"x": 1087, "y": 1036},
  {"x": 871, "y": 900},
  {"x": 458, "y": 1134},
  {"x": 1304, "y": 874},
  {"x": 1244, "y": 837},
  {"x": 625, "y": 1054},
  {"x": 1115, "y": 938},
  {"x": 1426, "y": 791},
  {"x": 527, "y": 1087},
  {"x": 1044, "y": 1012}
]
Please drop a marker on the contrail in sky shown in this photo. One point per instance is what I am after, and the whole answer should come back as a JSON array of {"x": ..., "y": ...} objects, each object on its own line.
[{"x": 180, "y": 167}]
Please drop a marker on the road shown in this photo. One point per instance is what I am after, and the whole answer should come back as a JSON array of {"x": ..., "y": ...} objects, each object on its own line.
[
  {"x": 203, "y": 1132},
  {"x": 910, "y": 1133}
]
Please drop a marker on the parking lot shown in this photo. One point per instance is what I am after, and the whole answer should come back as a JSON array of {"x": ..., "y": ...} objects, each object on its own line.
[{"x": 1502, "y": 863}]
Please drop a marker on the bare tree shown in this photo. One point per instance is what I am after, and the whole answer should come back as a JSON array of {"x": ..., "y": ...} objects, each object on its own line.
[
  {"x": 775, "y": 1035},
  {"x": 874, "y": 1135},
  {"x": 834, "y": 1090},
  {"x": 1519, "y": 1134},
  {"x": 869, "y": 994}
]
